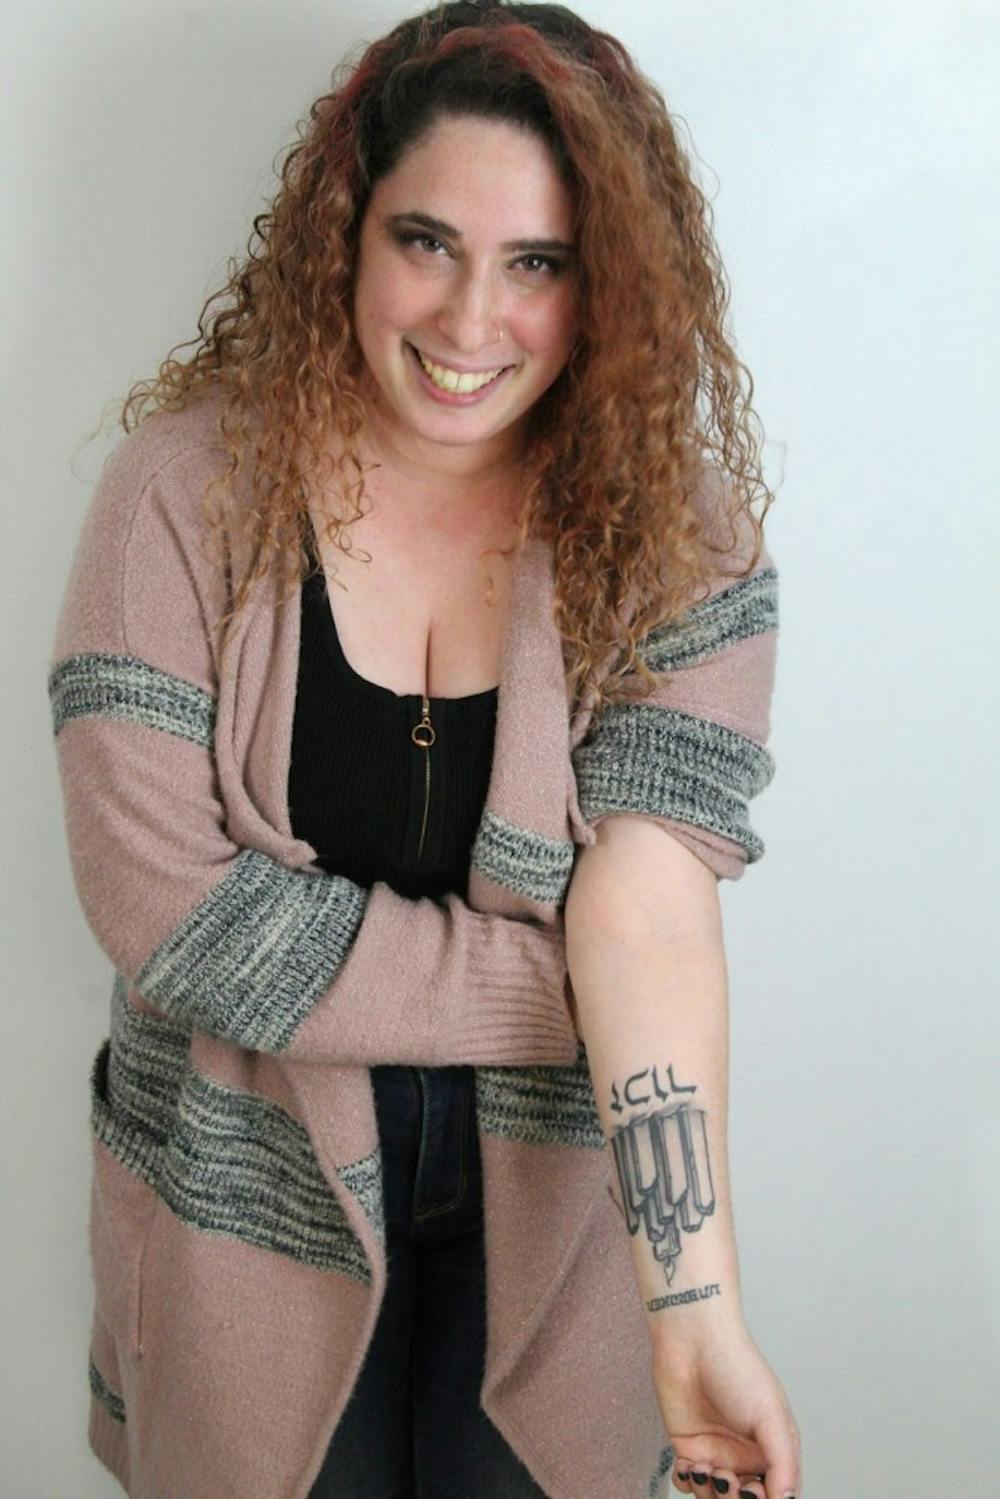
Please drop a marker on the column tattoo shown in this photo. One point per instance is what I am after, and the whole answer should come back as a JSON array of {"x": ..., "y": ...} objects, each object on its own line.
[{"x": 661, "y": 1154}]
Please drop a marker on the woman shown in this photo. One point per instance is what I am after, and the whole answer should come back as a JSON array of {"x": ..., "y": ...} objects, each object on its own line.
[{"x": 418, "y": 1017}]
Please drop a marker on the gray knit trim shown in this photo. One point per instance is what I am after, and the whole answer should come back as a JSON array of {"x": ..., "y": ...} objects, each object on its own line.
[
  {"x": 656, "y": 1489},
  {"x": 364, "y": 1179},
  {"x": 522, "y": 860},
  {"x": 664, "y": 763},
  {"x": 126, "y": 1133},
  {"x": 252, "y": 958},
  {"x": 223, "y": 1159},
  {"x": 97, "y": 683},
  {"x": 146, "y": 1059},
  {"x": 238, "y": 1165},
  {"x": 109, "y": 1398},
  {"x": 545, "y": 1105},
  {"x": 749, "y": 607}
]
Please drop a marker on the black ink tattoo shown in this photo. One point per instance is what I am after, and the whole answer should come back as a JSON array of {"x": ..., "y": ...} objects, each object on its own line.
[
  {"x": 663, "y": 1169},
  {"x": 697, "y": 1293},
  {"x": 637, "y": 1077}
]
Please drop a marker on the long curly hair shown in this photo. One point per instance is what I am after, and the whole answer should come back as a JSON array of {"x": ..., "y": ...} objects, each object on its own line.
[{"x": 650, "y": 405}]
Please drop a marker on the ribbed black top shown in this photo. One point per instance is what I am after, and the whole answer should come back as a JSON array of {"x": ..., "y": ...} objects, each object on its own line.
[{"x": 358, "y": 786}]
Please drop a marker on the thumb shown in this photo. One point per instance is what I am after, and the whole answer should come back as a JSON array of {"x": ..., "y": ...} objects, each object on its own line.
[{"x": 778, "y": 1438}]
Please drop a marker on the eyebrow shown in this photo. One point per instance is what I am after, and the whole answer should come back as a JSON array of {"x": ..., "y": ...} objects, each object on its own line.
[{"x": 438, "y": 226}]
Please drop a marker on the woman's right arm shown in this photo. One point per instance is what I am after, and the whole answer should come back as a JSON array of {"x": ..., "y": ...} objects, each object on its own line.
[{"x": 223, "y": 937}]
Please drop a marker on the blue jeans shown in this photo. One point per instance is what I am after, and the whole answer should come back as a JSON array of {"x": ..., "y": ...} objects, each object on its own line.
[{"x": 413, "y": 1427}]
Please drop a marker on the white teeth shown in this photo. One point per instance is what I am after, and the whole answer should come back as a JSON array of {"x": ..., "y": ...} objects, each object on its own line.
[{"x": 447, "y": 379}]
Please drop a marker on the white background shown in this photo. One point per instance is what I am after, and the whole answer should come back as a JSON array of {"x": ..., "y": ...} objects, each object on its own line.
[{"x": 850, "y": 152}]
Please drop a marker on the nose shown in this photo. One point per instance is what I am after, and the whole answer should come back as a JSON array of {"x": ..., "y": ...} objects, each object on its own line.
[{"x": 471, "y": 318}]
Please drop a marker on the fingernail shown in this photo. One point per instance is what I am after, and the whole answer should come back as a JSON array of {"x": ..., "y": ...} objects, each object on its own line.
[
  {"x": 700, "y": 1477},
  {"x": 746, "y": 1494},
  {"x": 721, "y": 1485}
]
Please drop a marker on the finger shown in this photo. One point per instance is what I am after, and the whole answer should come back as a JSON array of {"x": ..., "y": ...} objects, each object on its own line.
[
  {"x": 723, "y": 1481},
  {"x": 701, "y": 1481},
  {"x": 750, "y": 1487},
  {"x": 682, "y": 1468},
  {"x": 778, "y": 1438}
]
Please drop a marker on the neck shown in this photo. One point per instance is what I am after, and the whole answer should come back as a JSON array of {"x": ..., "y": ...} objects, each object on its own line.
[
  {"x": 452, "y": 492},
  {"x": 440, "y": 476}
]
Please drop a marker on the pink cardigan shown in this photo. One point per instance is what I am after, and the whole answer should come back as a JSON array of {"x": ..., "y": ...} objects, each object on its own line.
[{"x": 236, "y": 1226}]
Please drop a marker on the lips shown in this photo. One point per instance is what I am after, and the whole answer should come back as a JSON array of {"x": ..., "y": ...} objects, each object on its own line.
[
  {"x": 492, "y": 369},
  {"x": 442, "y": 396}
]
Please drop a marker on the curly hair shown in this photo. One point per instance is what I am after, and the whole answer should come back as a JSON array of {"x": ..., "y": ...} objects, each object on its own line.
[{"x": 650, "y": 403}]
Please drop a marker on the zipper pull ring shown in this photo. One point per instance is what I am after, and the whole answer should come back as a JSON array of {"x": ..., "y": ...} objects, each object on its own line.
[{"x": 424, "y": 727}]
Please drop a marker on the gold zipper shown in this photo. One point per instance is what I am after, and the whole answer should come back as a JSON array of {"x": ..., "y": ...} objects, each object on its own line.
[{"x": 419, "y": 734}]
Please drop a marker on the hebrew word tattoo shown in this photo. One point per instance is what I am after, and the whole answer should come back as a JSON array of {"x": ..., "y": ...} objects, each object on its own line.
[{"x": 661, "y": 1154}]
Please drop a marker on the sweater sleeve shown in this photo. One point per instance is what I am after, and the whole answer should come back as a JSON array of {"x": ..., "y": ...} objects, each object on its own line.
[
  {"x": 227, "y": 938},
  {"x": 692, "y": 755}
]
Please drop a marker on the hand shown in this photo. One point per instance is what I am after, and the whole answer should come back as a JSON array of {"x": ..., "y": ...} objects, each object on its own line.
[{"x": 727, "y": 1417}]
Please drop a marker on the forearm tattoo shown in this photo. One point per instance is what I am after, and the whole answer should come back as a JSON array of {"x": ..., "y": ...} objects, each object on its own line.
[{"x": 661, "y": 1153}]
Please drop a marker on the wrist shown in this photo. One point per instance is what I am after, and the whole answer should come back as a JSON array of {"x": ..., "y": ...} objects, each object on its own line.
[{"x": 681, "y": 1332}]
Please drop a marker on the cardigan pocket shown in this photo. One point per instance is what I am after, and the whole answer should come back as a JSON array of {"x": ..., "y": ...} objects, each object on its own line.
[{"x": 124, "y": 1159}]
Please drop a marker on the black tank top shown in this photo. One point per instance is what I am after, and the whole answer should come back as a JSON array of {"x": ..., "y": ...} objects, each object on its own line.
[{"x": 375, "y": 804}]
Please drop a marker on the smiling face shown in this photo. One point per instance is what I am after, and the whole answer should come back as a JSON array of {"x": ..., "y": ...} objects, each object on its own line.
[{"x": 470, "y": 236}]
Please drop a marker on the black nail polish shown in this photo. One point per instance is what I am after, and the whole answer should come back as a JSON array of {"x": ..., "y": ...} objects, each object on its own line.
[
  {"x": 700, "y": 1477},
  {"x": 721, "y": 1485},
  {"x": 746, "y": 1494}
]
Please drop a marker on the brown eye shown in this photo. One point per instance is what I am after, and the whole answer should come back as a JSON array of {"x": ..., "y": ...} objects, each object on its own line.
[
  {"x": 415, "y": 236},
  {"x": 543, "y": 265}
]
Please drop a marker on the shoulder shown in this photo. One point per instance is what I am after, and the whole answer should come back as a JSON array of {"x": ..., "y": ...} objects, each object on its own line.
[
  {"x": 143, "y": 574},
  {"x": 728, "y": 530},
  {"x": 737, "y": 598},
  {"x": 167, "y": 450},
  {"x": 692, "y": 753}
]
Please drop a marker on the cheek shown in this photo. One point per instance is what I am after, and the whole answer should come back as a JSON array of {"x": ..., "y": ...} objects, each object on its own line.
[
  {"x": 548, "y": 328},
  {"x": 383, "y": 300}
]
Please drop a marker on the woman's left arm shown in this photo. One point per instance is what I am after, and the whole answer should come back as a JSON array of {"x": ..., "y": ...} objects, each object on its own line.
[
  {"x": 646, "y": 960},
  {"x": 647, "y": 970}
]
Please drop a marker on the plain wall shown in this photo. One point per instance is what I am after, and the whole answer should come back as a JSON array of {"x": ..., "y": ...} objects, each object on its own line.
[{"x": 850, "y": 152}]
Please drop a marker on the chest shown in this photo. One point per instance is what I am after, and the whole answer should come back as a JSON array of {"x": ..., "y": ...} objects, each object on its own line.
[{"x": 423, "y": 616}]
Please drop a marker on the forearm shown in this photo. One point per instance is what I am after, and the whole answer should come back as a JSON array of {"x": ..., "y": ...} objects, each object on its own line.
[{"x": 653, "y": 1013}]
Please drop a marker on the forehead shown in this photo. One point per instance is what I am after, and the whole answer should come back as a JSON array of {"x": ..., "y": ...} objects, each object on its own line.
[{"x": 465, "y": 169}]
